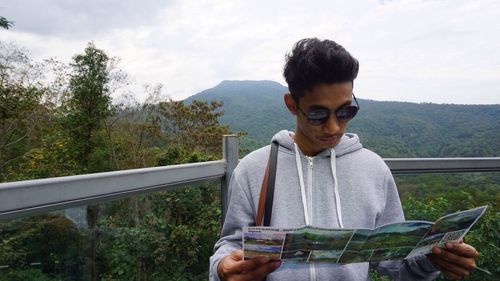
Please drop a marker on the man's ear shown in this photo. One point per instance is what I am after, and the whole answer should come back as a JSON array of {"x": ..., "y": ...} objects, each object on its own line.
[{"x": 290, "y": 103}]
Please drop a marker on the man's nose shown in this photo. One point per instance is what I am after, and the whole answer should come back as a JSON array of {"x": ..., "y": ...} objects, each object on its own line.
[{"x": 332, "y": 125}]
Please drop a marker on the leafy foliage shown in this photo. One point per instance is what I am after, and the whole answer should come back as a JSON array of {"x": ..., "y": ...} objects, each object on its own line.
[
  {"x": 172, "y": 239},
  {"x": 195, "y": 126},
  {"x": 449, "y": 193},
  {"x": 165, "y": 235},
  {"x": 88, "y": 106},
  {"x": 50, "y": 238},
  {"x": 4, "y": 23},
  {"x": 23, "y": 117}
]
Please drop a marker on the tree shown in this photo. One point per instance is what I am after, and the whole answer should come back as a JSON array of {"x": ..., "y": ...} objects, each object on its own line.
[
  {"x": 194, "y": 126},
  {"x": 89, "y": 105},
  {"x": 133, "y": 134},
  {"x": 4, "y": 23},
  {"x": 22, "y": 113}
]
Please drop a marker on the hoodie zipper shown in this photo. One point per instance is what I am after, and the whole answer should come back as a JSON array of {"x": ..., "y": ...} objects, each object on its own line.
[{"x": 310, "y": 161}]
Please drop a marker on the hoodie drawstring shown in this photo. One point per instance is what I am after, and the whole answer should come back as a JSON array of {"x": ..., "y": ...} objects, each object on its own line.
[
  {"x": 303, "y": 188},
  {"x": 336, "y": 187},
  {"x": 301, "y": 182}
]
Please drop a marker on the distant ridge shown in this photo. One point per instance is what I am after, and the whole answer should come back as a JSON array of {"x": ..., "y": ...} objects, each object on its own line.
[
  {"x": 249, "y": 106},
  {"x": 392, "y": 129},
  {"x": 243, "y": 89}
]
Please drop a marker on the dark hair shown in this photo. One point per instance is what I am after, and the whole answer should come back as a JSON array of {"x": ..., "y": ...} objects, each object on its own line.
[{"x": 313, "y": 62}]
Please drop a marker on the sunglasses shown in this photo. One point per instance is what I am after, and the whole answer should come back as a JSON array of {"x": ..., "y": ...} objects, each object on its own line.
[{"x": 319, "y": 116}]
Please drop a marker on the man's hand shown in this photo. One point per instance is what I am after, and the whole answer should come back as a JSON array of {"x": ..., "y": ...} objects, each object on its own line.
[
  {"x": 233, "y": 267},
  {"x": 455, "y": 261}
]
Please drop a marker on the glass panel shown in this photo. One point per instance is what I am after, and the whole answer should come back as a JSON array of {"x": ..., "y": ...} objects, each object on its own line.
[
  {"x": 450, "y": 192},
  {"x": 430, "y": 196},
  {"x": 158, "y": 236}
]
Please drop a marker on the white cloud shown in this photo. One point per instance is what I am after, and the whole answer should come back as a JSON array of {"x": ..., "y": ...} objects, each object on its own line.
[{"x": 423, "y": 51}]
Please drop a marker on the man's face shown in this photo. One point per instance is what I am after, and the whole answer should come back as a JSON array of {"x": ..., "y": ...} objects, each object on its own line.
[{"x": 314, "y": 138}]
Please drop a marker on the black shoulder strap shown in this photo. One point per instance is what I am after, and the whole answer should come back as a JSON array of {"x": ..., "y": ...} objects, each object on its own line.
[{"x": 273, "y": 159}]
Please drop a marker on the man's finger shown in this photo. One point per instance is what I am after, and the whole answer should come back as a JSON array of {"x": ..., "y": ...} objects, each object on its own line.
[
  {"x": 237, "y": 255},
  {"x": 248, "y": 265},
  {"x": 467, "y": 263},
  {"x": 448, "y": 268},
  {"x": 233, "y": 264},
  {"x": 450, "y": 275},
  {"x": 262, "y": 271},
  {"x": 462, "y": 249},
  {"x": 227, "y": 264}
]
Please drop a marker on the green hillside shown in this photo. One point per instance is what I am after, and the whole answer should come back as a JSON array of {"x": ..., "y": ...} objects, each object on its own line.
[
  {"x": 392, "y": 129},
  {"x": 254, "y": 107}
]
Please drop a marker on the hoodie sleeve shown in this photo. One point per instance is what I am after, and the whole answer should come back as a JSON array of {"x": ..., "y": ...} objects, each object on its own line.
[
  {"x": 418, "y": 268},
  {"x": 240, "y": 213}
]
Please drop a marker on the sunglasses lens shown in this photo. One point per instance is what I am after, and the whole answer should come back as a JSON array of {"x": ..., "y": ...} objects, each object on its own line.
[
  {"x": 346, "y": 113},
  {"x": 318, "y": 116}
]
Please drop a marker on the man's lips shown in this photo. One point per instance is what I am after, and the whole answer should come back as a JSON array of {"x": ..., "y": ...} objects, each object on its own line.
[{"x": 329, "y": 139}]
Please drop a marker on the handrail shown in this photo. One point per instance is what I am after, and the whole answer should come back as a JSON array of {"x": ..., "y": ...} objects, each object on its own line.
[
  {"x": 24, "y": 198},
  {"x": 443, "y": 165},
  {"x": 31, "y": 197}
]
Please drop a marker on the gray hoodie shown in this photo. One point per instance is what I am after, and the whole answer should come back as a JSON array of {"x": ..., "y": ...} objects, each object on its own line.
[{"x": 343, "y": 187}]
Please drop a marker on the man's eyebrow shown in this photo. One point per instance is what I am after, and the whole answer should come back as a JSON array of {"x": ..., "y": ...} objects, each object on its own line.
[
  {"x": 315, "y": 106},
  {"x": 349, "y": 102}
]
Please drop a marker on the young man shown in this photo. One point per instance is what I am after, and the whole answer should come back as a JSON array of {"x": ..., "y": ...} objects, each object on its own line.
[{"x": 324, "y": 178}]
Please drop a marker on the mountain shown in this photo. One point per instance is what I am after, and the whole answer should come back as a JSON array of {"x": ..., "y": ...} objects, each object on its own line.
[
  {"x": 255, "y": 107},
  {"x": 392, "y": 129}
]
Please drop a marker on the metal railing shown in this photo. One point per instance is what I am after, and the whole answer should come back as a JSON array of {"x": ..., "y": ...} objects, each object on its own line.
[{"x": 31, "y": 197}]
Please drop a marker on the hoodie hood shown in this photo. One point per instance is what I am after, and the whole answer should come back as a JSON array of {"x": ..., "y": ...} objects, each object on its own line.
[{"x": 347, "y": 144}]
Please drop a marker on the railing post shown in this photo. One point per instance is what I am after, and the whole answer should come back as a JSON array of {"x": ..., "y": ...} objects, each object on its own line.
[{"x": 230, "y": 155}]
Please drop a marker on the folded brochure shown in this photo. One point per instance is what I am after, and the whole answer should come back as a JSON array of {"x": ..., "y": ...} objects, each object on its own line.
[{"x": 393, "y": 241}]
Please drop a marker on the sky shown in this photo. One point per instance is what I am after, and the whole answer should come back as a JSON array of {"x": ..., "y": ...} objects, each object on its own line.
[{"x": 418, "y": 51}]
